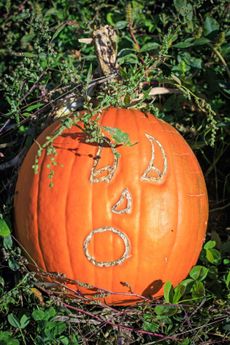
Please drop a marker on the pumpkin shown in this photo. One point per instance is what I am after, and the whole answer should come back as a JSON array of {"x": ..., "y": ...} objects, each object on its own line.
[{"x": 120, "y": 219}]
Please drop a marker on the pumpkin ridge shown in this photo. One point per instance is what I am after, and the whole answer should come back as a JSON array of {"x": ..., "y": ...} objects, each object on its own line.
[
  {"x": 37, "y": 209},
  {"x": 92, "y": 226},
  {"x": 66, "y": 217},
  {"x": 196, "y": 234},
  {"x": 199, "y": 209},
  {"x": 138, "y": 126},
  {"x": 202, "y": 192},
  {"x": 92, "y": 206},
  {"x": 113, "y": 275},
  {"x": 173, "y": 163},
  {"x": 118, "y": 114}
]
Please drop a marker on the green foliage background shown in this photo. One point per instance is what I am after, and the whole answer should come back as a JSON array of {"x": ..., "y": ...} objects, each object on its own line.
[{"x": 177, "y": 44}]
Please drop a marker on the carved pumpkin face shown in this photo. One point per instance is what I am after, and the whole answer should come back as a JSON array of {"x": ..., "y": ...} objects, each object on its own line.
[{"x": 137, "y": 218}]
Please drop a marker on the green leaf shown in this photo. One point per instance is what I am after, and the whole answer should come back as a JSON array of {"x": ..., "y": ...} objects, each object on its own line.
[
  {"x": 121, "y": 24},
  {"x": 89, "y": 74},
  {"x": 198, "y": 289},
  {"x": 165, "y": 310},
  {"x": 168, "y": 292},
  {"x": 13, "y": 320},
  {"x": 210, "y": 245},
  {"x": 23, "y": 129},
  {"x": 7, "y": 242},
  {"x": 129, "y": 58},
  {"x": 180, "y": 5},
  {"x": 33, "y": 107},
  {"x": 185, "y": 342},
  {"x": 54, "y": 328},
  {"x": 64, "y": 340},
  {"x": 6, "y": 338},
  {"x": 187, "y": 283},
  {"x": 149, "y": 325},
  {"x": 57, "y": 32},
  {"x": 188, "y": 12},
  {"x": 13, "y": 264},
  {"x": 39, "y": 315},
  {"x": 149, "y": 46},
  {"x": 26, "y": 114},
  {"x": 198, "y": 273},
  {"x": 109, "y": 18},
  {"x": 227, "y": 280},
  {"x": 185, "y": 44},
  {"x": 4, "y": 229},
  {"x": 201, "y": 41},
  {"x": 24, "y": 321},
  {"x": 121, "y": 137},
  {"x": 50, "y": 313},
  {"x": 8, "y": 5},
  {"x": 190, "y": 60},
  {"x": 213, "y": 256},
  {"x": 195, "y": 62},
  {"x": 184, "y": 8},
  {"x": 51, "y": 12},
  {"x": 25, "y": 40},
  {"x": 118, "y": 136},
  {"x": 210, "y": 25},
  {"x": 2, "y": 284},
  {"x": 178, "y": 293},
  {"x": 68, "y": 122},
  {"x": 127, "y": 99}
]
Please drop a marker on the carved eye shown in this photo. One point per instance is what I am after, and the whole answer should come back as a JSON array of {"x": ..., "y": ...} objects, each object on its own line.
[
  {"x": 155, "y": 173},
  {"x": 104, "y": 173}
]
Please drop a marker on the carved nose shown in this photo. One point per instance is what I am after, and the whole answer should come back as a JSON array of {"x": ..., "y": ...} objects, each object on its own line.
[{"x": 124, "y": 204}]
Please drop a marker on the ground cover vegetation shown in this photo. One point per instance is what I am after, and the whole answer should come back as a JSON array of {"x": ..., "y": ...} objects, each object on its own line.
[{"x": 178, "y": 45}]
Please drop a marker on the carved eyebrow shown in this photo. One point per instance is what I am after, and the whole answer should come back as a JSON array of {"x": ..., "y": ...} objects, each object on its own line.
[
  {"x": 151, "y": 168},
  {"x": 108, "y": 169}
]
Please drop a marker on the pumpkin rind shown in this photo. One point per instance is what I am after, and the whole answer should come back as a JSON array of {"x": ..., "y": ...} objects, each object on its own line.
[{"x": 154, "y": 194}]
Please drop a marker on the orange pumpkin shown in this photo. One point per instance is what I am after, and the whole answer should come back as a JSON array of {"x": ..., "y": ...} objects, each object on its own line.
[{"x": 136, "y": 219}]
